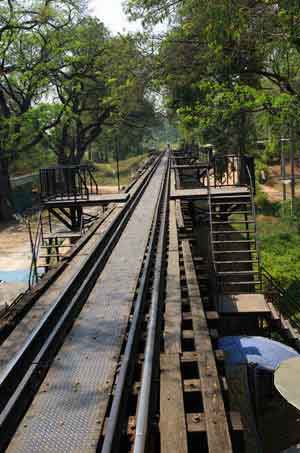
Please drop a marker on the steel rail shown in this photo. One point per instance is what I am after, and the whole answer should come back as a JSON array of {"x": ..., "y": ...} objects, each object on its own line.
[
  {"x": 24, "y": 373},
  {"x": 55, "y": 273},
  {"x": 152, "y": 341},
  {"x": 116, "y": 422}
]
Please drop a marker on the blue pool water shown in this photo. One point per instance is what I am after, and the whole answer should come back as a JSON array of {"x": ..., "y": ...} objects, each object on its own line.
[{"x": 20, "y": 275}]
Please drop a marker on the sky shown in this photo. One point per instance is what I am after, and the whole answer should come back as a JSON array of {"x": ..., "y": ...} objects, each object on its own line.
[{"x": 110, "y": 12}]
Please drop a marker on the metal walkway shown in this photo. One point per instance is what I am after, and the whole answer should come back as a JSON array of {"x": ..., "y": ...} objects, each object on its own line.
[
  {"x": 120, "y": 354},
  {"x": 69, "y": 410},
  {"x": 93, "y": 200}
]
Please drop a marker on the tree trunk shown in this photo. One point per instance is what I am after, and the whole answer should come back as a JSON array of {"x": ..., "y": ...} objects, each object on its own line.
[{"x": 6, "y": 208}]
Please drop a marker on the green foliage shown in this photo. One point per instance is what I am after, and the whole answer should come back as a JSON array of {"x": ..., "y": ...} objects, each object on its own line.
[
  {"x": 264, "y": 206},
  {"x": 32, "y": 161},
  {"x": 106, "y": 173},
  {"x": 64, "y": 81},
  {"x": 30, "y": 55},
  {"x": 230, "y": 70},
  {"x": 279, "y": 238},
  {"x": 280, "y": 250}
]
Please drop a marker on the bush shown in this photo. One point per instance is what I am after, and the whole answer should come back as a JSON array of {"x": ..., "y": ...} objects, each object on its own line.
[
  {"x": 280, "y": 248},
  {"x": 266, "y": 207},
  {"x": 259, "y": 167}
]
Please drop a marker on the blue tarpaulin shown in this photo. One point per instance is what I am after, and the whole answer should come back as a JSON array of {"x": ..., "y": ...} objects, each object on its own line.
[{"x": 263, "y": 352}]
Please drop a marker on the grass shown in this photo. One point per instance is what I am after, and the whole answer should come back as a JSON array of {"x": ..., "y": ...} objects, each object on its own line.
[
  {"x": 31, "y": 163},
  {"x": 279, "y": 241},
  {"x": 280, "y": 250},
  {"x": 106, "y": 173},
  {"x": 279, "y": 238}
]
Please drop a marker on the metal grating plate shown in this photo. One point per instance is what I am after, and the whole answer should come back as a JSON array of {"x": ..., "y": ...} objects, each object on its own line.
[{"x": 68, "y": 412}]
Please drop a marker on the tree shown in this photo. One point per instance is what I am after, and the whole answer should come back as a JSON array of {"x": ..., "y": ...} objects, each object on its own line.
[
  {"x": 63, "y": 79},
  {"x": 82, "y": 87},
  {"x": 28, "y": 55},
  {"x": 217, "y": 50},
  {"x": 104, "y": 85},
  {"x": 129, "y": 133}
]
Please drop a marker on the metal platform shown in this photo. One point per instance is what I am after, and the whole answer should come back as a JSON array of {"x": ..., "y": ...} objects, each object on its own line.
[
  {"x": 27, "y": 325},
  {"x": 243, "y": 304},
  {"x": 93, "y": 200},
  {"x": 68, "y": 412},
  {"x": 197, "y": 165},
  {"x": 134, "y": 363},
  {"x": 193, "y": 194}
]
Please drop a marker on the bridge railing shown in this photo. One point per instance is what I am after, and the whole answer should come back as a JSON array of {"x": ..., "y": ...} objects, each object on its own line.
[
  {"x": 232, "y": 170},
  {"x": 67, "y": 182},
  {"x": 287, "y": 305},
  {"x": 224, "y": 169},
  {"x": 35, "y": 242}
]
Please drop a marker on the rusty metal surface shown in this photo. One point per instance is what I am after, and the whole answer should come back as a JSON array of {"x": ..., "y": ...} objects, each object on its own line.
[
  {"x": 68, "y": 412},
  {"x": 26, "y": 326},
  {"x": 93, "y": 200}
]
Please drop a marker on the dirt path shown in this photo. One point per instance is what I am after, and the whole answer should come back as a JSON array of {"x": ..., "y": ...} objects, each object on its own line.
[
  {"x": 108, "y": 189},
  {"x": 15, "y": 258},
  {"x": 15, "y": 253},
  {"x": 273, "y": 194}
]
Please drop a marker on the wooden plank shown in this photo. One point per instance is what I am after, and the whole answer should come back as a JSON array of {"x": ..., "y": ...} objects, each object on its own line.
[
  {"x": 215, "y": 416},
  {"x": 192, "y": 356},
  {"x": 212, "y": 315},
  {"x": 179, "y": 216},
  {"x": 192, "y": 385},
  {"x": 172, "y": 182},
  {"x": 274, "y": 312},
  {"x": 177, "y": 179},
  {"x": 172, "y": 414},
  {"x": 88, "y": 359},
  {"x": 173, "y": 316},
  {"x": 188, "y": 334},
  {"x": 196, "y": 422}
]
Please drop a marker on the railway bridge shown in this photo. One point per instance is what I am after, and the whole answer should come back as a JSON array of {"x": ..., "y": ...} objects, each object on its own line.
[{"x": 115, "y": 348}]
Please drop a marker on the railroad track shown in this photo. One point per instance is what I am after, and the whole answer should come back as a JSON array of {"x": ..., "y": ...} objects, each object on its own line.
[
  {"x": 23, "y": 368},
  {"x": 14, "y": 314},
  {"x": 170, "y": 393},
  {"x": 146, "y": 312},
  {"x": 125, "y": 360}
]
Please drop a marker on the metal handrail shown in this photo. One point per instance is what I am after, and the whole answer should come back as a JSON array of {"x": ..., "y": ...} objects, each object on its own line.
[
  {"x": 93, "y": 181},
  {"x": 83, "y": 181},
  {"x": 37, "y": 352},
  {"x": 75, "y": 179},
  {"x": 230, "y": 159},
  {"x": 212, "y": 256},
  {"x": 255, "y": 225},
  {"x": 210, "y": 219},
  {"x": 254, "y": 218},
  {"x": 287, "y": 299},
  {"x": 35, "y": 245}
]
